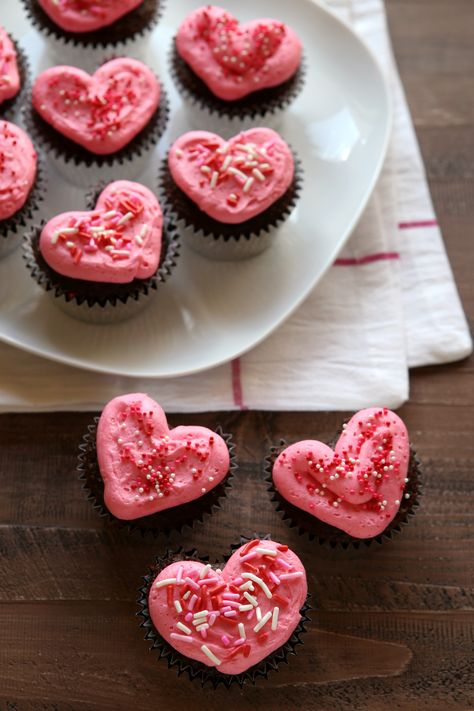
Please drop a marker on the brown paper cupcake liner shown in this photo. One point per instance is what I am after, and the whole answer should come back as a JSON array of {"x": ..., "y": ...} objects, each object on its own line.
[
  {"x": 9, "y": 107},
  {"x": 132, "y": 26},
  {"x": 258, "y": 105},
  {"x": 168, "y": 521},
  {"x": 183, "y": 210},
  {"x": 324, "y": 533},
  {"x": 98, "y": 293},
  {"x": 196, "y": 670},
  {"x": 62, "y": 148},
  {"x": 16, "y": 223}
]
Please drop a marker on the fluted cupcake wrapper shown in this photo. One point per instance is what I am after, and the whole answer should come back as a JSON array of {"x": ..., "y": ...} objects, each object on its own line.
[
  {"x": 127, "y": 35},
  {"x": 218, "y": 240},
  {"x": 261, "y": 108},
  {"x": 196, "y": 670},
  {"x": 80, "y": 165},
  {"x": 324, "y": 533},
  {"x": 98, "y": 302},
  {"x": 166, "y": 522},
  {"x": 13, "y": 228},
  {"x": 9, "y": 108}
]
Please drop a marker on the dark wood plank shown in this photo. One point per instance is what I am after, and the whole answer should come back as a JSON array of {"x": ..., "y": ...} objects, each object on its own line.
[{"x": 393, "y": 626}]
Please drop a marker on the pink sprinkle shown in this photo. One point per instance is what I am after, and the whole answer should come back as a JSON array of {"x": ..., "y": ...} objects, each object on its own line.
[
  {"x": 90, "y": 248},
  {"x": 231, "y": 596},
  {"x": 192, "y": 584},
  {"x": 274, "y": 577},
  {"x": 231, "y": 603},
  {"x": 189, "y": 616},
  {"x": 283, "y": 563},
  {"x": 179, "y": 575},
  {"x": 225, "y": 640},
  {"x": 290, "y": 576},
  {"x": 238, "y": 642},
  {"x": 250, "y": 615},
  {"x": 203, "y": 634},
  {"x": 192, "y": 602},
  {"x": 207, "y": 581},
  {"x": 231, "y": 613},
  {"x": 226, "y": 608},
  {"x": 248, "y": 556},
  {"x": 212, "y": 618},
  {"x": 238, "y": 581}
]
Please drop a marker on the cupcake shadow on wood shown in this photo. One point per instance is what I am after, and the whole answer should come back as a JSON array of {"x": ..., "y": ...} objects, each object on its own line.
[
  {"x": 177, "y": 478},
  {"x": 309, "y": 483},
  {"x": 245, "y": 655}
]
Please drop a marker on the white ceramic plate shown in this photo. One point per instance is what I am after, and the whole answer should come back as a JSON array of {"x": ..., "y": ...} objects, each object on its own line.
[{"x": 210, "y": 312}]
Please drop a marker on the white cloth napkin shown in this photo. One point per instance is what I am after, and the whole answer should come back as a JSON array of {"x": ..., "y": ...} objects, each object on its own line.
[{"x": 388, "y": 303}]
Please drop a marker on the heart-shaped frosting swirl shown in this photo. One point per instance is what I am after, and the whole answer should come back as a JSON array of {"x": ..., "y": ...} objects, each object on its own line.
[
  {"x": 17, "y": 168},
  {"x": 9, "y": 75}
]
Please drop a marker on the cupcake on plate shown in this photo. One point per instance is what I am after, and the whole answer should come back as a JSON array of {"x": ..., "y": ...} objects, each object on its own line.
[
  {"x": 21, "y": 185},
  {"x": 14, "y": 75},
  {"x": 102, "y": 265},
  {"x": 108, "y": 121},
  {"x": 362, "y": 490},
  {"x": 227, "y": 197},
  {"x": 141, "y": 474},
  {"x": 229, "y": 624},
  {"x": 235, "y": 76},
  {"x": 82, "y": 31}
]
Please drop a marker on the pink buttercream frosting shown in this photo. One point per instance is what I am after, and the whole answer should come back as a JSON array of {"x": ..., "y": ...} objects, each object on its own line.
[
  {"x": 118, "y": 241},
  {"x": 358, "y": 486},
  {"x": 9, "y": 76},
  {"x": 232, "y": 181},
  {"x": 146, "y": 467},
  {"x": 17, "y": 168},
  {"x": 235, "y": 60},
  {"x": 102, "y": 112},
  {"x": 86, "y": 15},
  {"x": 234, "y": 618}
]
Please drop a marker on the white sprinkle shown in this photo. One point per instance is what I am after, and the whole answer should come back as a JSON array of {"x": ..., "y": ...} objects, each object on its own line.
[
  {"x": 242, "y": 630},
  {"x": 211, "y": 656},
  {"x": 276, "y": 612},
  {"x": 68, "y": 231},
  {"x": 125, "y": 219},
  {"x": 266, "y": 551},
  {"x": 248, "y": 184},
  {"x": 245, "y": 608},
  {"x": 238, "y": 173},
  {"x": 70, "y": 244},
  {"x": 186, "y": 595},
  {"x": 224, "y": 149},
  {"x": 259, "y": 582},
  {"x": 178, "y": 606},
  {"x": 202, "y": 613},
  {"x": 181, "y": 637},
  {"x": 247, "y": 586},
  {"x": 183, "y": 628},
  {"x": 109, "y": 214},
  {"x": 262, "y": 622},
  {"x": 251, "y": 599},
  {"x": 397, "y": 502},
  {"x": 214, "y": 179},
  {"x": 205, "y": 626},
  {"x": 245, "y": 147},
  {"x": 258, "y": 174},
  {"x": 144, "y": 231},
  {"x": 258, "y": 613},
  {"x": 204, "y": 571},
  {"x": 226, "y": 164},
  {"x": 120, "y": 252},
  {"x": 165, "y": 581},
  {"x": 290, "y": 576},
  {"x": 138, "y": 240},
  {"x": 179, "y": 152}
]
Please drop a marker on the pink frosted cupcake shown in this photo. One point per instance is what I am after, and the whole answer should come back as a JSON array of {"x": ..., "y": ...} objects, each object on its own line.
[
  {"x": 142, "y": 474},
  {"x": 227, "y": 624},
  {"x": 103, "y": 264},
  {"x": 14, "y": 75},
  {"x": 81, "y": 31},
  {"x": 227, "y": 197},
  {"x": 21, "y": 185},
  {"x": 235, "y": 76},
  {"x": 108, "y": 121},
  {"x": 362, "y": 490}
]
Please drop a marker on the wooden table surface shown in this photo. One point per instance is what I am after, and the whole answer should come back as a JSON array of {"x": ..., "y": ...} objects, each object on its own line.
[{"x": 394, "y": 625}]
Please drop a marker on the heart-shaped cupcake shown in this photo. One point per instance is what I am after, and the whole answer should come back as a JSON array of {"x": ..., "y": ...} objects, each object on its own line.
[
  {"x": 358, "y": 486},
  {"x": 234, "y": 618},
  {"x": 146, "y": 467},
  {"x": 235, "y": 180},
  {"x": 102, "y": 112},
  {"x": 118, "y": 241},
  {"x": 235, "y": 60},
  {"x": 17, "y": 168},
  {"x": 9, "y": 75},
  {"x": 86, "y": 15}
]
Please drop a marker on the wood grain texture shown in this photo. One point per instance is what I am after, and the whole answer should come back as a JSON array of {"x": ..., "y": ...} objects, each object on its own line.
[{"x": 393, "y": 625}]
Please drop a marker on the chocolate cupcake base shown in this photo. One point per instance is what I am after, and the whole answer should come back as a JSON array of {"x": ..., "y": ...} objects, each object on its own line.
[
  {"x": 97, "y": 302},
  {"x": 10, "y": 107},
  {"x": 325, "y": 534},
  {"x": 165, "y": 522},
  {"x": 196, "y": 670},
  {"x": 261, "y": 108},
  {"x": 220, "y": 241}
]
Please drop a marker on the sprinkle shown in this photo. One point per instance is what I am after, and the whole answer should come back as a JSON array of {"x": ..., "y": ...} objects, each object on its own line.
[
  {"x": 68, "y": 231},
  {"x": 267, "y": 551},
  {"x": 276, "y": 612},
  {"x": 204, "y": 571},
  {"x": 224, "y": 149},
  {"x": 211, "y": 656},
  {"x": 120, "y": 252},
  {"x": 109, "y": 214},
  {"x": 202, "y": 613},
  {"x": 283, "y": 563},
  {"x": 238, "y": 173},
  {"x": 245, "y": 608},
  {"x": 262, "y": 622},
  {"x": 258, "y": 612},
  {"x": 290, "y": 576},
  {"x": 214, "y": 179},
  {"x": 247, "y": 586},
  {"x": 183, "y": 628},
  {"x": 251, "y": 599},
  {"x": 258, "y": 174},
  {"x": 164, "y": 582},
  {"x": 226, "y": 163},
  {"x": 259, "y": 582},
  {"x": 125, "y": 219},
  {"x": 178, "y": 606},
  {"x": 192, "y": 584},
  {"x": 225, "y": 640},
  {"x": 242, "y": 630},
  {"x": 143, "y": 231},
  {"x": 205, "y": 169},
  {"x": 232, "y": 596},
  {"x": 202, "y": 627},
  {"x": 274, "y": 577},
  {"x": 139, "y": 240},
  {"x": 230, "y": 613},
  {"x": 179, "y": 152},
  {"x": 248, "y": 184},
  {"x": 186, "y": 595},
  {"x": 192, "y": 602},
  {"x": 181, "y": 637}
]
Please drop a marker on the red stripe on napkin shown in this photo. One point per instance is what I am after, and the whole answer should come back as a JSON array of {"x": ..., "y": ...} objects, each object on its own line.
[
  {"x": 237, "y": 384},
  {"x": 367, "y": 259},
  {"x": 417, "y": 223}
]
